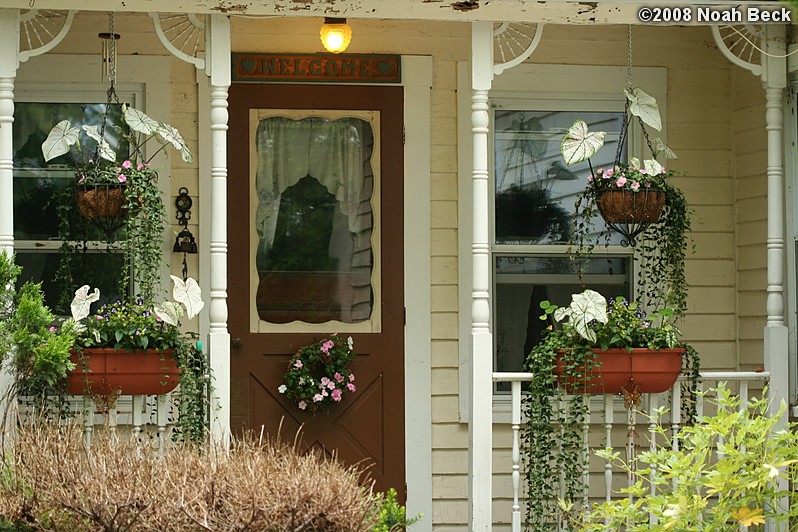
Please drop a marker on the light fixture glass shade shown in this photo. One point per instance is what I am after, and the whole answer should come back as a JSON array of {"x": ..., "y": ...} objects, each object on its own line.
[{"x": 335, "y": 35}]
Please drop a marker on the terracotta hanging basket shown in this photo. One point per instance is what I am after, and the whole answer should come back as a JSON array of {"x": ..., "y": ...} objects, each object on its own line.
[
  {"x": 617, "y": 370},
  {"x": 630, "y": 207},
  {"x": 103, "y": 200},
  {"x": 105, "y": 371}
]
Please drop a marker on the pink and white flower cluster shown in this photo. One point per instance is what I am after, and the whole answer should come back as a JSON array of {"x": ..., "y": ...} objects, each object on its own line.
[
  {"x": 318, "y": 375},
  {"x": 628, "y": 178}
]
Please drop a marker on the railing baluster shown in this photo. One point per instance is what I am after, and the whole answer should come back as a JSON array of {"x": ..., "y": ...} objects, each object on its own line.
[
  {"x": 609, "y": 416},
  {"x": 88, "y": 420},
  {"x": 515, "y": 414},
  {"x": 113, "y": 418},
  {"x": 586, "y": 457},
  {"x": 162, "y": 417},
  {"x": 652, "y": 445},
  {"x": 136, "y": 416}
]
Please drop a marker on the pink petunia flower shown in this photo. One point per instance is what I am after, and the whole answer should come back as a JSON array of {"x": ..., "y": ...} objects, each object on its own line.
[
  {"x": 339, "y": 377},
  {"x": 589, "y": 178},
  {"x": 351, "y": 387},
  {"x": 298, "y": 364},
  {"x": 635, "y": 186},
  {"x": 126, "y": 165},
  {"x": 351, "y": 377},
  {"x": 608, "y": 173},
  {"x": 621, "y": 181},
  {"x": 122, "y": 178},
  {"x": 325, "y": 381},
  {"x": 643, "y": 171},
  {"x": 302, "y": 405},
  {"x": 331, "y": 385},
  {"x": 139, "y": 166},
  {"x": 51, "y": 329},
  {"x": 318, "y": 397},
  {"x": 336, "y": 395}
]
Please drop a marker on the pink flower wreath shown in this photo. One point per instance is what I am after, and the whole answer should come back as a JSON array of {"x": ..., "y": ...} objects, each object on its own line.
[{"x": 319, "y": 374}]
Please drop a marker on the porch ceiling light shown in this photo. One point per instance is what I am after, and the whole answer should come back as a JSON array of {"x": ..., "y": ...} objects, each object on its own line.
[{"x": 335, "y": 34}]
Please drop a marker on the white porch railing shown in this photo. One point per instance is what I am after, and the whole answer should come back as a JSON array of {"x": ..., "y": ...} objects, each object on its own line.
[
  {"x": 148, "y": 418},
  {"x": 607, "y": 413}
]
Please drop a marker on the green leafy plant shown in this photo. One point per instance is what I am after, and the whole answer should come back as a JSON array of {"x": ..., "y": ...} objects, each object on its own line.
[
  {"x": 141, "y": 209},
  {"x": 693, "y": 488},
  {"x": 319, "y": 374},
  {"x": 392, "y": 515},
  {"x": 132, "y": 325},
  {"x": 661, "y": 247},
  {"x": 554, "y": 447},
  {"x": 32, "y": 347}
]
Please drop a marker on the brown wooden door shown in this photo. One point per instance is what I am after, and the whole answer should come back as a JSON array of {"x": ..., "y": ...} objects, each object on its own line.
[{"x": 368, "y": 426}]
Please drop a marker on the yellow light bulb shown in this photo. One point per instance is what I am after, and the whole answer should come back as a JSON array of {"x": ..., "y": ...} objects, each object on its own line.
[{"x": 335, "y": 35}]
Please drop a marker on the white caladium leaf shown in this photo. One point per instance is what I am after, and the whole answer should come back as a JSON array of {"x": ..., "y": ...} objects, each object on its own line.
[
  {"x": 169, "y": 312},
  {"x": 634, "y": 162},
  {"x": 586, "y": 307},
  {"x": 579, "y": 144},
  {"x": 103, "y": 148},
  {"x": 173, "y": 136},
  {"x": 653, "y": 167},
  {"x": 81, "y": 305},
  {"x": 644, "y": 106},
  {"x": 562, "y": 312},
  {"x": 189, "y": 294},
  {"x": 59, "y": 140},
  {"x": 140, "y": 122},
  {"x": 661, "y": 149}
]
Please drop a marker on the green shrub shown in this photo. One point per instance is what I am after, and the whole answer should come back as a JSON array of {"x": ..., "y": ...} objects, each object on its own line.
[
  {"x": 392, "y": 515},
  {"x": 696, "y": 489}
]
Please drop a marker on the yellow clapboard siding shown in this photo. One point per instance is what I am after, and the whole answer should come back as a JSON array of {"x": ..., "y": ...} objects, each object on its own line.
[
  {"x": 718, "y": 272},
  {"x": 443, "y": 270},
  {"x": 444, "y": 298},
  {"x": 443, "y": 214}
]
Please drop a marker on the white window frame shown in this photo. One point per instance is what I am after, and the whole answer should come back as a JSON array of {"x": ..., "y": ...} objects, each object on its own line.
[
  {"x": 62, "y": 78},
  {"x": 544, "y": 87}
]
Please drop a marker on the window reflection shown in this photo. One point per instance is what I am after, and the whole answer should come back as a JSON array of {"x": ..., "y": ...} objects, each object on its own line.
[{"x": 534, "y": 191}]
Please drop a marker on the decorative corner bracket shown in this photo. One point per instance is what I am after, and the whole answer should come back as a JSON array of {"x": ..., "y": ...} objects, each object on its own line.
[
  {"x": 742, "y": 45},
  {"x": 513, "y": 43},
  {"x": 181, "y": 34},
  {"x": 41, "y": 30}
]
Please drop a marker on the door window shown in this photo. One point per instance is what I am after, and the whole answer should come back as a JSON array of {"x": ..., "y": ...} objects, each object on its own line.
[{"x": 316, "y": 251}]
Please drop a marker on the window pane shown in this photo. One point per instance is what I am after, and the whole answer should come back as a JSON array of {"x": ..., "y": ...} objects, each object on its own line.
[
  {"x": 534, "y": 191},
  {"x": 99, "y": 270},
  {"x": 314, "y": 220},
  {"x": 34, "y": 120},
  {"x": 40, "y": 186},
  {"x": 521, "y": 283}
]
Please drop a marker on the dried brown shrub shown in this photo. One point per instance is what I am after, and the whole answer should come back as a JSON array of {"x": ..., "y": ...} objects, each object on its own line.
[{"x": 51, "y": 481}]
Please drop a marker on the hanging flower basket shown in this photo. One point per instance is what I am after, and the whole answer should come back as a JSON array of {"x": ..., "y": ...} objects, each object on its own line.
[
  {"x": 106, "y": 371},
  {"x": 105, "y": 200},
  {"x": 617, "y": 370},
  {"x": 627, "y": 206}
]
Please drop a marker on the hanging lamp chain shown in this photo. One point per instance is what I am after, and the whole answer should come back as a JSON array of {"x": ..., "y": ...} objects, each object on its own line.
[
  {"x": 112, "y": 48},
  {"x": 629, "y": 57}
]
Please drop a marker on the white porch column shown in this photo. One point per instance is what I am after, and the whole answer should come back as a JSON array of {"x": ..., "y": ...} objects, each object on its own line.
[
  {"x": 218, "y": 62},
  {"x": 776, "y": 339},
  {"x": 480, "y": 427},
  {"x": 9, "y": 42}
]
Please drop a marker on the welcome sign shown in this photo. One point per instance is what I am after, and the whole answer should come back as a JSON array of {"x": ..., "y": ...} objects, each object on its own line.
[{"x": 317, "y": 68}]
